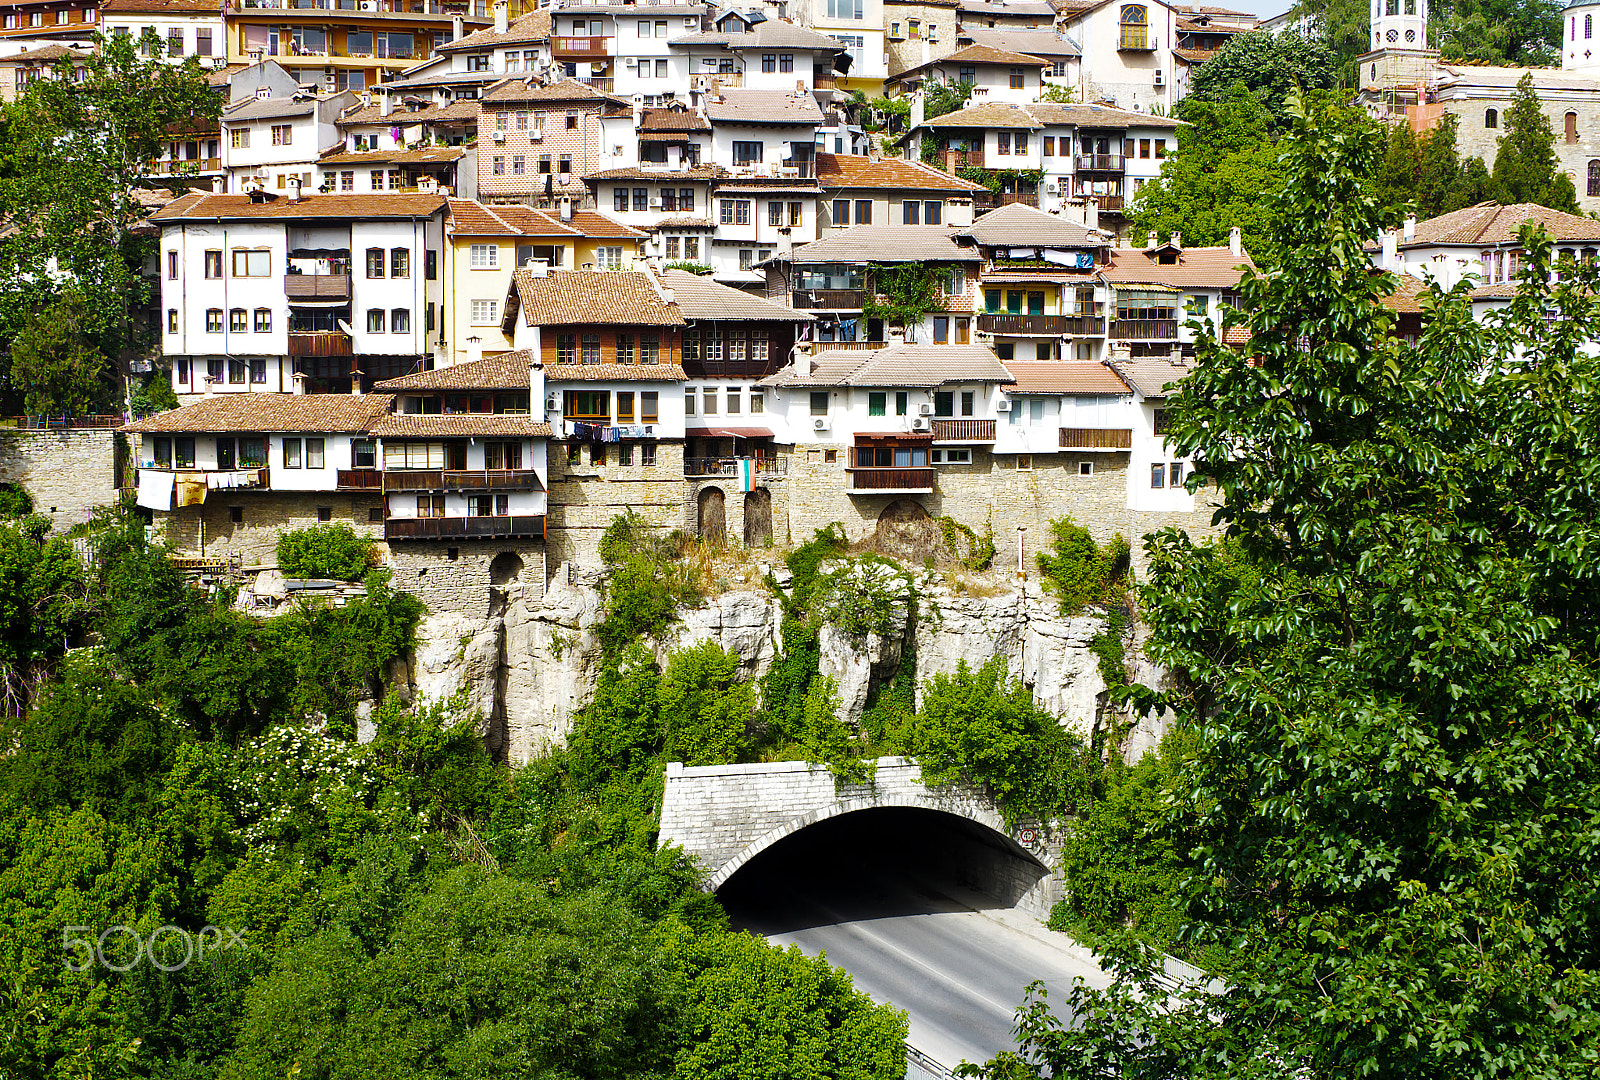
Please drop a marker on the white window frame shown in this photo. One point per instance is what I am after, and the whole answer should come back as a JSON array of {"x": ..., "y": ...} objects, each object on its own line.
[{"x": 484, "y": 257}]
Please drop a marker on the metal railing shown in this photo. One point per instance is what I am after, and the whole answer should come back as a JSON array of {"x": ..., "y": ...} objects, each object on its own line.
[
  {"x": 63, "y": 423},
  {"x": 1099, "y": 162}
]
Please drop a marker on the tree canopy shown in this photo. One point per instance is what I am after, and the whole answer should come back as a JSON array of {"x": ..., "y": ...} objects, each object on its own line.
[
  {"x": 1526, "y": 169},
  {"x": 1268, "y": 66}
]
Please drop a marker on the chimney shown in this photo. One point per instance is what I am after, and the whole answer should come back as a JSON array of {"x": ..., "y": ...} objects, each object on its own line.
[
  {"x": 216, "y": 185},
  {"x": 366, "y": 99},
  {"x": 566, "y": 208},
  {"x": 502, "y": 16},
  {"x": 1391, "y": 256},
  {"x": 1235, "y": 242},
  {"x": 1411, "y": 228},
  {"x": 355, "y": 380},
  {"x": 457, "y": 28},
  {"x": 1150, "y": 241},
  {"x": 211, "y": 385},
  {"x": 299, "y": 380},
  {"x": 294, "y": 189},
  {"x": 388, "y": 102},
  {"x": 1177, "y": 240},
  {"x": 1091, "y": 214}
]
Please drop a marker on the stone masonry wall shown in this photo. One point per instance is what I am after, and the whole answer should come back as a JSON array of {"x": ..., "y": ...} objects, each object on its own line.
[
  {"x": 456, "y": 575},
  {"x": 68, "y": 473},
  {"x": 584, "y": 498},
  {"x": 209, "y": 530}
]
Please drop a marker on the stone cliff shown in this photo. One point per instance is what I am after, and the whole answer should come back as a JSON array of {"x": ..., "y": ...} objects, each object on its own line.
[{"x": 531, "y": 666}]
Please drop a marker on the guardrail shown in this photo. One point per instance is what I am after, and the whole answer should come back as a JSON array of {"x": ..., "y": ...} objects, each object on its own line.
[{"x": 63, "y": 423}]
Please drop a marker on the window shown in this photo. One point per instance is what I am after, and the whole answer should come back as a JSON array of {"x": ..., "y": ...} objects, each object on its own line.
[
  {"x": 746, "y": 257},
  {"x": 933, "y": 213},
  {"x": 1571, "y": 129},
  {"x": 1161, "y": 148},
  {"x": 709, "y": 401},
  {"x": 735, "y": 211},
  {"x": 214, "y": 321},
  {"x": 172, "y": 265},
  {"x": 747, "y": 153},
  {"x": 1588, "y": 27},
  {"x": 506, "y": 455},
  {"x": 1175, "y": 474},
  {"x": 237, "y": 322},
  {"x": 237, "y": 372},
  {"x": 952, "y": 457},
  {"x": 251, "y": 263},
  {"x": 485, "y": 312},
  {"x": 785, "y": 63},
  {"x": 400, "y": 321},
  {"x": 619, "y": 199},
  {"x": 375, "y": 320},
  {"x": 650, "y": 413},
  {"x": 566, "y": 349},
  {"x": 1594, "y": 177},
  {"x": 908, "y": 212},
  {"x": 374, "y": 262},
  {"x": 941, "y": 329},
  {"x": 574, "y": 454},
  {"x": 863, "y": 212},
  {"x": 877, "y": 403},
  {"x": 544, "y": 164},
  {"x": 1002, "y": 142},
  {"x": 564, "y": 164},
  {"x": 796, "y": 213},
  {"x": 282, "y": 134},
  {"x": 769, "y": 62},
  {"x": 641, "y": 198},
  {"x": 1021, "y": 141},
  {"x": 819, "y": 403},
  {"x": 775, "y": 213},
  {"x": 649, "y": 350},
  {"x": 624, "y": 348},
  {"x": 691, "y": 247},
  {"x": 647, "y": 454},
  {"x": 291, "y": 453},
  {"x": 610, "y": 258},
  {"x": 1049, "y": 146},
  {"x": 263, "y": 321},
  {"x": 239, "y": 138},
  {"x": 1158, "y": 475},
  {"x": 1135, "y": 27},
  {"x": 591, "y": 349},
  {"x": 624, "y": 406},
  {"x": 1491, "y": 118},
  {"x": 944, "y": 403},
  {"x": 519, "y": 164},
  {"x": 841, "y": 211},
  {"x": 376, "y": 178},
  {"x": 347, "y": 180},
  {"x": 846, "y": 9},
  {"x": 213, "y": 264},
  {"x": 1016, "y": 78},
  {"x": 484, "y": 256},
  {"x": 497, "y": 166},
  {"x": 400, "y": 262},
  {"x": 172, "y": 320}
]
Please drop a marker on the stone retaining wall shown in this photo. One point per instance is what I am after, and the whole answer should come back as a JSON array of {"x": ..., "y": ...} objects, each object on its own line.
[{"x": 68, "y": 473}]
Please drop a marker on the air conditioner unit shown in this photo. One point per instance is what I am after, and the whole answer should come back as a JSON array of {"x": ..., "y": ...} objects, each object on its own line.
[
  {"x": 655, "y": 204},
  {"x": 1050, "y": 189},
  {"x": 924, "y": 409},
  {"x": 499, "y": 136},
  {"x": 1003, "y": 405},
  {"x": 690, "y": 24},
  {"x": 369, "y": 5},
  {"x": 819, "y": 423},
  {"x": 553, "y": 402},
  {"x": 631, "y": 61},
  {"x": 919, "y": 423},
  {"x": 1161, "y": 80}
]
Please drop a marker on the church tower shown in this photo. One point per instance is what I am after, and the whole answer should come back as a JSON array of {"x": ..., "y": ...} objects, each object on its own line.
[
  {"x": 1399, "y": 24},
  {"x": 1580, "y": 37}
]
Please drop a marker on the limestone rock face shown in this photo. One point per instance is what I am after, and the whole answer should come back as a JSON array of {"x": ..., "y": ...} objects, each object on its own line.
[
  {"x": 455, "y": 651},
  {"x": 743, "y": 623},
  {"x": 551, "y": 660}
]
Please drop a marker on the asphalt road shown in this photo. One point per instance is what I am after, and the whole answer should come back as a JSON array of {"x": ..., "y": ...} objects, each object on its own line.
[{"x": 880, "y": 908}]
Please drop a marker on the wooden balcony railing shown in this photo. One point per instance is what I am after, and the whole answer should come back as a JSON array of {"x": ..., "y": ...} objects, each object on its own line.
[
  {"x": 360, "y": 479},
  {"x": 580, "y": 48},
  {"x": 461, "y": 480},
  {"x": 836, "y": 299},
  {"x": 963, "y": 431},
  {"x": 601, "y": 83},
  {"x": 1096, "y": 438},
  {"x": 319, "y": 343},
  {"x": 173, "y": 168},
  {"x": 451, "y": 528},
  {"x": 1144, "y": 329},
  {"x": 955, "y": 160},
  {"x": 1099, "y": 162},
  {"x": 316, "y": 287},
  {"x": 729, "y": 466},
  {"x": 1108, "y": 202},
  {"x": 1027, "y": 325},
  {"x": 891, "y": 479}
]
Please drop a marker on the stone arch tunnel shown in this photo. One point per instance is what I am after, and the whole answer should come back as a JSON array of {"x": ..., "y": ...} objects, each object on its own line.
[{"x": 765, "y": 821}]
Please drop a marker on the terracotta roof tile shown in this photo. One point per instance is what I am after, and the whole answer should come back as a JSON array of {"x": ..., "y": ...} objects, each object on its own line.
[
  {"x": 763, "y": 107},
  {"x": 434, "y": 113},
  {"x": 45, "y": 54},
  {"x": 566, "y": 297},
  {"x": 702, "y": 298},
  {"x": 1017, "y": 224},
  {"x": 506, "y": 372},
  {"x": 672, "y": 121},
  {"x": 858, "y": 171},
  {"x": 898, "y": 365},
  {"x": 1196, "y": 268},
  {"x": 534, "y": 26},
  {"x": 681, "y": 223},
  {"x": 1063, "y": 377},
  {"x": 271, "y": 412},
  {"x": 1403, "y": 301},
  {"x": 1150, "y": 376},
  {"x": 636, "y": 172},
  {"x": 1491, "y": 223},
  {"x": 883, "y": 243},
  {"x": 162, "y": 7},
  {"x": 1043, "y": 42},
  {"x": 438, "y": 425},
  {"x": 204, "y": 205},
  {"x": 614, "y": 372},
  {"x": 984, "y": 54},
  {"x": 1041, "y": 114},
  {"x": 422, "y": 155},
  {"x": 569, "y": 89}
]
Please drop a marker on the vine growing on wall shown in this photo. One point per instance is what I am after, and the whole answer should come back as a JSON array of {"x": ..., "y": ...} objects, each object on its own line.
[{"x": 902, "y": 294}]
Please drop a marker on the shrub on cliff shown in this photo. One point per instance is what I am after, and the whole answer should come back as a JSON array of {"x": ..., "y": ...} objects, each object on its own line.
[
  {"x": 1078, "y": 570},
  {"x": 324, "y": 551}
]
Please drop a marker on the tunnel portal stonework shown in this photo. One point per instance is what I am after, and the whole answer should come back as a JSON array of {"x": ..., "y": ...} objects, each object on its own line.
[{"x": 726, "y": 815}]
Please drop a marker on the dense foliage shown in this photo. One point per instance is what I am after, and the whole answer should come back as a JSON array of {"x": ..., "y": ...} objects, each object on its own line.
[
  {"x": 1265, "y": 66},
  {"x": 1427, "y": 172},
  {"x": 1526, "y": 169},
  {"x": 324, "y": 551},
  {"x": 1389, "y": 677}
]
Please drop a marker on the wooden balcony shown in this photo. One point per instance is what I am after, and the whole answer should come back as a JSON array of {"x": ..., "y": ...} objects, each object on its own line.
[
  {"x": 993, "y": 200},
  {"x": 465, "y": 528},
  {"x": 316, "y": 287},
  {"x": 1096, "y": 438},
  {"x": 319, "y": 343},
  {"x": 360, "y": 480},
  {"x": 601, "y": 83},
  {"x": 963, "y": 431},
  {"x": 1099, "y": 162},
  {"x": 174, "y": 168},
  {"x": 832, "y": 299},
  {"x": 1144, "y": 329},
  {"x": 956, "y": 160},
  {"x": 729, "y": 466},
  {"x": 580, "y": 48},
  {"x": 865, "y": 481},
  {"x": 1111, "y": 203},
  {"x": 1024, "y": 325},
  {"x": 461, "y": 480},
  {"x": 847, "y": 346}
]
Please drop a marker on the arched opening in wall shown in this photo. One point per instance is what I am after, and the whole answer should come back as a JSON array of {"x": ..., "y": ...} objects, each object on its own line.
[
  {"x": 713, "y": 516},
  {"x": 906, "y": 532},
  {"x": 757, "y": 517},
  {"x": 877, "y": 863},
  {"x": 1571, "y": 128},
  {"x": 1491, "y": 117},
  {"x": 1594, "y": 176},
  {"x": 506, "y": 568}
]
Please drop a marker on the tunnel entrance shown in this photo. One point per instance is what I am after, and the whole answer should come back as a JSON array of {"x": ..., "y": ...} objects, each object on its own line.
[{"x": 881, "y": 862}]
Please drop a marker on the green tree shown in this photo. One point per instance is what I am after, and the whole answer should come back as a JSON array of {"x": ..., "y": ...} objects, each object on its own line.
[
  {"x": 1268, "y": 66},
  {"x": 1426, "y": 172},
  {"x": 1345, "y": 27},
  {"x": 1390, "y": 673},
  {"x": 1526, "y": 169},
  {"x": 1518, "y": 32},
  {"x": 52, "y": 362},
  {"x": 706, "y": 706},
  {"x": 324, "y": 551},
  {"x": 942, "y": 98}
]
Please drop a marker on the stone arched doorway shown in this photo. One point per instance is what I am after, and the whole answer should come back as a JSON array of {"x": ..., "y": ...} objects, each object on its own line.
[
  {"x": 906, "y": 532},
  {"x": 506, "y": 568},
  {"x": 713, "y": 516},
  {"x": 757, "y": 517}
]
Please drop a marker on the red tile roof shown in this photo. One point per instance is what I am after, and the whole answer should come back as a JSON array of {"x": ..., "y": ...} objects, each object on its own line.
[
  {"x": 857, "y": 171},
  {"x": 1063, "y": 377},
  {"x": 566, "y": 297},
  {"x": 506, "y": 372},
  {"x": 614, "y": 372},
  {"x": 1491, "y": 223},
  {"x": 1196, "y": 268},
  {"x": 205, "y": 205},
  {"x": 439, "y": 425},
  {"x": 271, "y": 412}
]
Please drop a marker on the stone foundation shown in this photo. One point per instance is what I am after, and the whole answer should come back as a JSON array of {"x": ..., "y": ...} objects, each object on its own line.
[
  {"x": 585, "y": 498},
  {"x": 68, "y": 473},
  {"x": 210, "y": 531}
]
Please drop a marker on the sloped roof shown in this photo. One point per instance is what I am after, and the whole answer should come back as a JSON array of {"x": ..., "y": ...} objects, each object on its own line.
[
  {"x": 421, "y": 155},
  {"x": 1491, "y": 223},
  {"x": 46, "y": 54},
  {"x": 702, "y": 298},
  {"x": 772, "y": 34},
  {"x": 898, "y": 365},
  {"x": 1040, "y": 114},
  {"x": 271, "y": 412},
  {"x": 763, "y": 107},
  {"x": 638, "y": 172},
  {"x": 506, "y": 372},
  {"x": 534, "y": 26},
  {"x": 1028, "y": 42},
  {"x": 977, "y": 54},
  {"x": 556, "y": 373},
  {"x": 529, "y": 89},
  {"x": 1403, "y": 301},
  {"x": 1196, "y": 268},
  {"x": 1011, "y": 7},
  {"x": 672, "y": 120},
  {"x": 440, "y": 425},
  {"x": 859, "y": 171},
  {"x": 1063, "y": 377},
  {"x": 162, "y": 7},
  {"x": 204, "y": 205},
  {"x": 271, "y": 108},
  {"x": 434, "y": 113},
  {"x": 1150, "y": 375},
  {"x": 565, "y": 297},
  {"x": 883, "y": 243},
  {"x": 1017, "y": 224}
]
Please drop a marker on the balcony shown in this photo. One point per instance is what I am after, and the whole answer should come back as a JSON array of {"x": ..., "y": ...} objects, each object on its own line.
[
  {"x": 982, "y": 200},
  {"x": 464, "y": 528},
  {"x": 955, "y": 160},
  {"x": 360, "y": 480},
  {"x": 833, "y": 299},
  {"x": 1098, "y": 162},
  {"x": 822, "y": 82},
  {"x": 316, "y": 287},
  {"x": 1096, "y": 438},
  {"x": 319, "y": 343},
  {"x": 869, "y": 481},
  {"x": 725, "y": 80},
  {"x": 729, "y": 466},
  {"x": 1144, "y": 330},
  {"x": 604, "y": 85},
  {"x": 461, "y": 480},
  {"x": 963, "y": 431},
  {"x": 247, "y": 479},
  {"x": 1025, "y": 325},
  {"x": 1110, "y": 203},
  {"x": 580, "y": 48},
  {"x": 802, "y": 168},
  {"x": 172, "y": 168},
  {"x": 1134, "y": 39}
]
